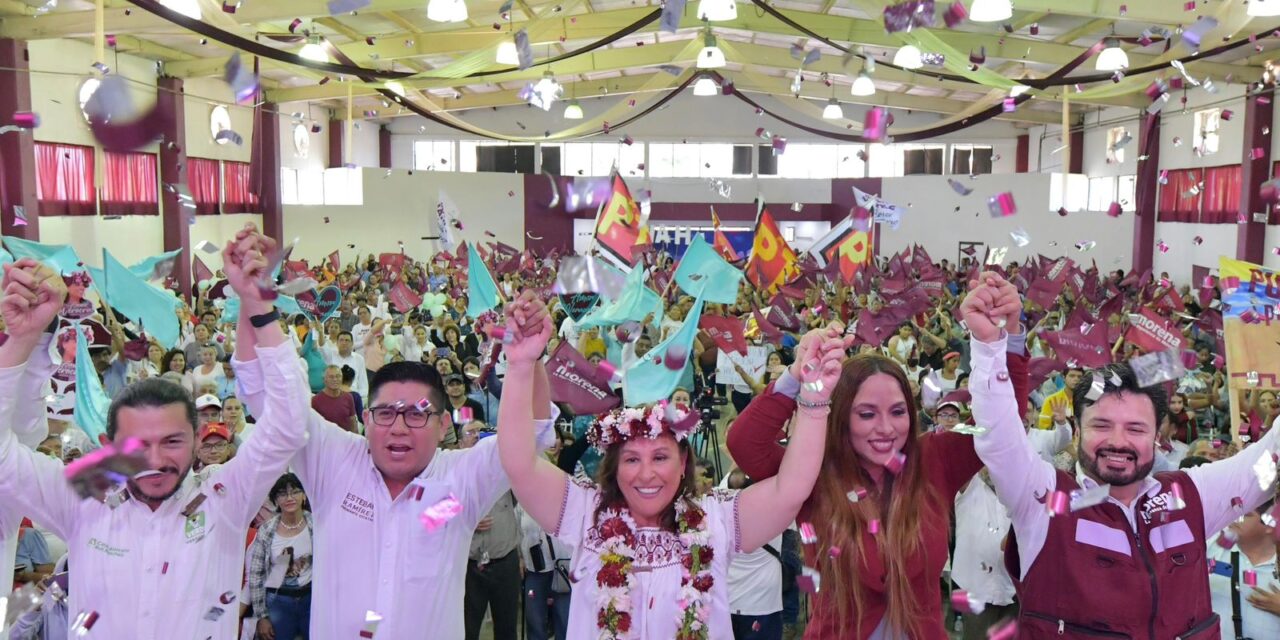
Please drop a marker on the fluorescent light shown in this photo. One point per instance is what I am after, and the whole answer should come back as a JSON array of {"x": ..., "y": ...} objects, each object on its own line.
[
  {"x": 990, "y": 10},
  {"x": 573, "y": 111},
  {"x": 863, "y": 86},
  {"x": 1263, "y": 8},
  {"x": 705, "y": 87},
  {"x": 711, "y": 56},
  {"x": 313, "y": 51},
  {"x": 832, "y": 111},
  {"x": 189, "y": 8},
  {"x": 1112, "y": 58},
  {"x": 908, "y": 57},
  {"x": 717, "y": 10},
  {"x": 447, "y": 10},
  {"x": 507, "y": 53}
]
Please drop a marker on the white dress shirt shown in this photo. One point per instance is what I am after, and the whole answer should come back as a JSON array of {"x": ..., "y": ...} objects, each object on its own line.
[
  {"x": 1020, "y": 474},
  {"x": 1048, "y": 442},
  {"x": 978, "y": 564},
  {"x": 1255, "y": 623},
  {"x": 373, "y": 552},
  {"x": 356, "y": 361},
  {"x": 153, "y": 575}
]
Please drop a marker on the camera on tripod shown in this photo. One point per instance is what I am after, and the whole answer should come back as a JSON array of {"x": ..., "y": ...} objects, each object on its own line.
[{"x": 706, "y": 403}]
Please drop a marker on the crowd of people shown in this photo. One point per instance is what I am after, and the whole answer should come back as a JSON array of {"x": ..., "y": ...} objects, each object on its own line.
[{"x": 920, "y": 457}]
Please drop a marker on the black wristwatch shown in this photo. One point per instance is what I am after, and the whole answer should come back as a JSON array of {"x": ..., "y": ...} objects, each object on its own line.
[{"x": 262, "y": 320}]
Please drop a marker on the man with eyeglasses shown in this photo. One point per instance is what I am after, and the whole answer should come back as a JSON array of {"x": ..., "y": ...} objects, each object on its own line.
[{"x": 387, "y": 571}]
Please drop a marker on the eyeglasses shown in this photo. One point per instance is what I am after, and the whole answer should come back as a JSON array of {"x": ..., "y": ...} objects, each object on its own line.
[
  {"x": 385, "y": 415},
  {"x": 291, "y": 492},
  {"x": 214, "y": 446}
]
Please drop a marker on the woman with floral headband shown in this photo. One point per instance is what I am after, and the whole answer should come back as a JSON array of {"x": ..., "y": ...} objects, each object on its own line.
[{"x": 650, "y": 557}]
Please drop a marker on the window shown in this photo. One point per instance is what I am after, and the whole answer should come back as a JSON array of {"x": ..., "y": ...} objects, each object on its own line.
[
  {"x": 64, "y": 180},
  {"x": 970, "y": 159},
  {"x": 767, "y": 161},
  {"x": 499, "y": 158},
  {"x": 695, "y": 160},
  {"x": 884, "y": 161},
  {"x": 1102, "y": 192},
  {"x": 1117, "y": 138},
  {"x": 808, "y": 161},
  {"x": 311, "y": 187},
  {"x": 1077, "y": 192},
  {"x": 1180, "y": 196},
  {"x": 1205, "y": 130},
  {"x": 1127, "y": 193},
  {"x": 288, "y": 186},
  {"x": 131, "y": 186},
  {"x": 343, "y": 186},
  {"x": 236, "y": 197},
  {"x": 435, "y": 155},
  {"x": 741, "y": 159},
  {"x": 599, "y": 158},
  {"x": 922, "y": 160},
  {"x": 851, "y": 161},
  {"x": 204, "y": 176}
]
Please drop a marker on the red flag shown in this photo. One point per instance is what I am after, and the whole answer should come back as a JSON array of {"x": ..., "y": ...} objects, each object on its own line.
[
  {"x": 391, "y": 264},
  {"x": 1086, "y": 347},
  {"x": 727, "y": 333},
  {"x": 403, "y": 298},
  {"x": 773, "y": 261},
  {"x": 335, "y": 264},
  {"x": 783, "y": 314},
  {"x": 771, "y": 333},
  {"x": 721, "y": 242},
  {"x": 875, "y": 328},
  {"x": 1151, "y": 332},
  {"x": 1044, "y": 292},
  {"x": 578, "y": 383},
  {"x": 618, "y": 226},
  {"x": 200, "y": 270}
]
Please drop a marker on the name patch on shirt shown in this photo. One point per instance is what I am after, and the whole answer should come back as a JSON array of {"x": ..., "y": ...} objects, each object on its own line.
[
  {"x": 98, "y": 545},
  {"x": 1156, "y": 505},
  {"x": 194, "y": 528},
  {"x": 358, "y": 506}
]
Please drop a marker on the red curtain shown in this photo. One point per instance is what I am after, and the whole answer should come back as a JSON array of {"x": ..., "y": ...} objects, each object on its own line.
[
  {"x": 132, "y": 185},
  {"x": 1221, "y": 195},
  {"x": 235, "y": 179},
  {"x": 64, "y": 180},
  {"x": 205, "y": 179},
  {"x": 1173, "y": 205}
]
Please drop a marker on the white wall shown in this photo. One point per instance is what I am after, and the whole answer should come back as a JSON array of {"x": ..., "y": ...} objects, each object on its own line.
[
  {"x": 401, "y": 208},
  {"x": 315, "y": 155},
  {"x": 1216, "y": 240},
  {"x": 933, "y": 221}
]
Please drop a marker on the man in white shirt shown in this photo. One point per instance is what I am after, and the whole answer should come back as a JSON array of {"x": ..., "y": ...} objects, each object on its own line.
[
  {"x": 165, "y": 559},
  {"x": 978, "y": 564},
  {"x": 755, "y": 583},
  {"x": 386, "y": 571},
  {"x": 347, "y": 356},
  {"x": 364, "y": 326}
]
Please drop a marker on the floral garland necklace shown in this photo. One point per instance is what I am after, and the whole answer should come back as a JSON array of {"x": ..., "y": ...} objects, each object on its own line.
[{"x": 615, "y": 579}]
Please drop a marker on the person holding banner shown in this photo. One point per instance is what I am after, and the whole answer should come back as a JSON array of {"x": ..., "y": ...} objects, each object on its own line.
[
  {"x": 881, "y": 510},
  {"x": 650, "y": 556},
  {"x": 1126, "y": 544}
]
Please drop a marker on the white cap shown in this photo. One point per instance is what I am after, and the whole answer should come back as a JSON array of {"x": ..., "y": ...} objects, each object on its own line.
[{"x": 208, "y": 400}]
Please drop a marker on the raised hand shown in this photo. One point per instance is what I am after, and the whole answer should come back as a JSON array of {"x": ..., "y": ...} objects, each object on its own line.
[
  {"x": 820, "y": 366},
  {"x": 528, "y": 328},
  {"x": 989, "y": 306},
  {"x": 33, "y": 297},
  {"x": 812, "y": 337},
  {"x": 245, "y": 260}
]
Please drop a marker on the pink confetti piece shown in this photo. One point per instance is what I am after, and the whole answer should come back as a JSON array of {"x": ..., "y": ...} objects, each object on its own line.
[
  {"x": 1124, "y": 10},
  {"x": 1035, "y": 28},
  {"x": 84, "y": 623},
  {"x": 1237, "y": 503},
  {"x": 293, "y": 26},
  {"x": 675, "y": 357},
  {"x": 834, "y": 552},
  {"x": 371, "y": 620},
  {"x": 227, "y": 597},
  {"x": 1189, "y": 5},
  {"x": 1227, "y": 539},
  {"x": 463, "y": 415},
  {"x": 1002, "y": 205},
  {"x": 873, "y": 527},
  {"x": 807, "y": 534},
  {"x": 960, "y": 601},
  {"x": 1162, "y": 246},
  {"x": 779, "y": 145},
  {"x": 896, "y": 462},
  {"x": 1226, "y": 115},
  {"x": 1178, "y": 502},
  {"x": 1007, "y": 630},
  {"x": 627, "y": 140},
  {"x": 1010, "y": 105},
  {"x": 955, "y": 14},
  {"x": 1197, "y": 241},
  {"x": 1115, "y": 210},
  {"x": 440, "y": 513},
  {"x": 26, "y": 119},
  {"x": 809, "y": 580},
  {"x": 874, "y": 124},
  {"x": 111, "y": 40},
  {"x": 978, "y": 57},
  {"x": 1058, "y": 503},
  {"x": 230, "y": 6},
  {"x": 1250, "y": 578}
]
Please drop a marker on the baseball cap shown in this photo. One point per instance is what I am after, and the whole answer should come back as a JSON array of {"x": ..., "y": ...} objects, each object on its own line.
[
  {"x": 453, "y": 377},
  {"x": 214, "y": 429},
  {"x": 208, "y": 400},
  {"x": 950, "y": 355},
  {"x": 954, "y": 404}
]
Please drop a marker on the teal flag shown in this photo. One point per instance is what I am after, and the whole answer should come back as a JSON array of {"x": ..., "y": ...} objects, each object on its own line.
[
  {"x": 482, "y": 291},
  {"x": 92, "y": 403},
  {"x": 153, "y": 309},
  {"x": 635, "y": 302},
  {"x": 61, "y": 257},
  {"x": 702, "y": 272},
  {"x": 649, "y": 379},
  {"x": 146, "y": 269}
]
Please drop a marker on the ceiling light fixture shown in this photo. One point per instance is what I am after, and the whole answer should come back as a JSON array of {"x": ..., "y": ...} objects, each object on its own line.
[
  {"x": 705, "y": 87},
  {"x": 990, "y": 10},
  {"x": 711, "y": 57},
  {"x": 189, "y": 8},
  {"x": 313, "y": 51},
  {"x": 1112, "y": 58},
  {"x": 545, "y": 92},
  {"x": 507, "y": 53},
  {"x": 908, "y": 57},
  {"x": 717, "y": 10},
  {"x": 863, "y": 86},
  {"x": 832, "y": 111},
  {"x": 447, "y": 10},
  {"x": 1263, "y": 8},
  {"x": 573, "y": 111}
]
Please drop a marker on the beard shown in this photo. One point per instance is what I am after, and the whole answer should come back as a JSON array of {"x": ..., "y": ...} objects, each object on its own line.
[
  {"x": 136, "y": 490},
  {"x": 1114, "y": 478}
]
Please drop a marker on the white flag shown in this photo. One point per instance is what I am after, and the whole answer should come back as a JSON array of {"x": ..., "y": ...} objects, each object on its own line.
[{"x": 446, "y": 213}]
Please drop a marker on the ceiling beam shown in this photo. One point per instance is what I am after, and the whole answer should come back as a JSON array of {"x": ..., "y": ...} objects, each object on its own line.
[{"x": 1087, "y": 29}]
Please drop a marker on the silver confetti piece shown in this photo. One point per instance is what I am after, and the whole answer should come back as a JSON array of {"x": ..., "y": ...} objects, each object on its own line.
[
  {"x": 297, "y": 286},
  {"x": 1096, "y": 387},
  {"x": 1085, "y": 498},
  {"x": 1020, "y": 237},
  {"x": 1157, "y": 367},
  {"x": 1265, "y": 470}
]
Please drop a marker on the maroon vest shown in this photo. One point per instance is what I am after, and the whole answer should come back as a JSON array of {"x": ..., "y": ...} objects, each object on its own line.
[{"x": 1095, "y": 578}]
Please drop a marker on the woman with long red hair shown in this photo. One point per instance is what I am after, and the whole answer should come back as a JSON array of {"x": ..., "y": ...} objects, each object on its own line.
[{"x": 881, "y": 508}]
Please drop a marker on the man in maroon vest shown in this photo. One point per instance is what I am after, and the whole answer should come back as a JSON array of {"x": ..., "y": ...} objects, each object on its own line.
[{"x": 1111, "y": 551}]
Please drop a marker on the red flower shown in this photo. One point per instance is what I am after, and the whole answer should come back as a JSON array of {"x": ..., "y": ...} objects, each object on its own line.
[
  {"x": 705, "y": 554},
  {"x": 693, "y": 518},
  {"x": 611, "y": 575},
  {"x": 602, "y": 619},
  {"x": 687, "y": 560},
  {"x": 614, "y": 527},
  {"x": 703, "y": 582},
  {"x": 624, "y": 621}
]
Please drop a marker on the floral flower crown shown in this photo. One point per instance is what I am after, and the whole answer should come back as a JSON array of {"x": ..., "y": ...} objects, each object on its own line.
[
  {"x": 78, "y": 277},
  {"x": 621, "y": 425}
]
